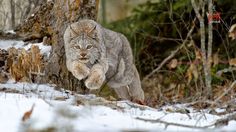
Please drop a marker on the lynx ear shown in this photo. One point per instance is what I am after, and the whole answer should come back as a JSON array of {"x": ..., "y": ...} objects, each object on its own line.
[
  {"x": 92, "y": 33},
  {"x": 73, "y": 31},
  {"x": 92, "y": 29}
]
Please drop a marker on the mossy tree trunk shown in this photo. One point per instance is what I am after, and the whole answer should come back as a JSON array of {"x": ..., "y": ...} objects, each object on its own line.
[{"x": 49, "y": 22}]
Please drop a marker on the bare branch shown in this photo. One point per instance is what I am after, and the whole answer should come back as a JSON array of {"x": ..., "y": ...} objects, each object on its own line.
[
  {"x": 171, "y": 55},
  {"x": 196, "y": 10},
  {"x": 227, "y": 91},
  {"x": 174, "y": 124},
  {"x": 225, "y": 121}
]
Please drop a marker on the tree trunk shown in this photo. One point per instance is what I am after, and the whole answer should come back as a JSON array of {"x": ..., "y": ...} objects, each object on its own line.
[
  {"x": 209, "y": 50},
  {"x": 50, "y": 21},
  {"x": 206, "y": 53},
  {"x": 12, "y": 4}
]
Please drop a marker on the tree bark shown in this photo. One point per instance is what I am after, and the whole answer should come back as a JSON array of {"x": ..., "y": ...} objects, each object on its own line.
[
  {"x": 12, "y": 4},
  {"x": 206, "y": 53},
  {"x": 51, "y": 20},
  {"x": 209, "y": 50}
]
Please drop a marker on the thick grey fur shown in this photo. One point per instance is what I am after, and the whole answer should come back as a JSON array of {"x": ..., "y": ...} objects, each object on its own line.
[{"x": 100, "y": 55}]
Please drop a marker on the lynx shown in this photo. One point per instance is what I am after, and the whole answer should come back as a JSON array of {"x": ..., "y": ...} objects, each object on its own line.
[{"x": 98, "y": 55}]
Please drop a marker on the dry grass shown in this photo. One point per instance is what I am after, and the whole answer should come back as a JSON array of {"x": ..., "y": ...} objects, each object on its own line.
[{"x": 25, "y": 65}]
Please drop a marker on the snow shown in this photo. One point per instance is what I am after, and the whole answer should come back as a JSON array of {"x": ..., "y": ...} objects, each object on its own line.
[
  {"x": 85, "y": 117},
  {"x": 6, "y": 44},
  {"x": 45, "y": 50},
  {"x": 10, "y": 31},
  {"x": 64, "y": 115},
  {"x": 230, "y": 127},
  {"x": 13, "y": 107}
]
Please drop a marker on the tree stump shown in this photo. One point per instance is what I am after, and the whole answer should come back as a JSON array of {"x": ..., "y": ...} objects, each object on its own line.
[{"x": 50, "y": 21}]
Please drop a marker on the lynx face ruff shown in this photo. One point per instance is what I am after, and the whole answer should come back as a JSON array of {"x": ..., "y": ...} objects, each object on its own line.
[{"x": 97, "y": 54}]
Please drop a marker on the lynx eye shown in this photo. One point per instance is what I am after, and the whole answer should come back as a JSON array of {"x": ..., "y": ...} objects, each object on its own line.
[
  {"x": 77, "y": 47},
  {"x": 89, "y": 46},
  {"x": 94, "y": 38}
]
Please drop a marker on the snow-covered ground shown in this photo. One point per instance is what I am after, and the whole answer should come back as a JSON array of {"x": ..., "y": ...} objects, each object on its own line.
[
  {"x": 18, "y": 98},
  {"x": 6, "y": 44},
  {"x": 57, "y": 110}
]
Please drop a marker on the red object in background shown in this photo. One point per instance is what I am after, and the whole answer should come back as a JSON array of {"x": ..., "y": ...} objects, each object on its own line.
[{"x": 214, "y": 18}]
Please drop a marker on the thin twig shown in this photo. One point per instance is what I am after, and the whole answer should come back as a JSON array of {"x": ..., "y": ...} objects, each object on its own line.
[
  {"x": 158, "y": 38},
  {"x": 37, "y": 73},
  {"x": 225, "y": 92},
  {"x": 225, "y": 70},
  {"x": 175, "y": 124},
  {"x": 94, "y": 101},
  {"x": 225, "y": 121},
  {"x": 171, "y": 55},
  {"x": 134, "y": 105}
]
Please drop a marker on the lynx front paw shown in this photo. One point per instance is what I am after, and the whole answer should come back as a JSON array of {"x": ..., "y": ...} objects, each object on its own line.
[
  {"x": 80, "y": 71},
  {"x": 95, "y": 80}
]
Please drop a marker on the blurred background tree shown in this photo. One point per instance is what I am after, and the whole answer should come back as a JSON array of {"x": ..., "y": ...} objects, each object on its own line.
[{"x": 13, "y": 12}]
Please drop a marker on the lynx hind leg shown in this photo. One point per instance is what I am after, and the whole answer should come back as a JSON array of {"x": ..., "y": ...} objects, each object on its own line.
[
  {"x": 123, "y": 93},
  {"x": 135, "y": 90}
]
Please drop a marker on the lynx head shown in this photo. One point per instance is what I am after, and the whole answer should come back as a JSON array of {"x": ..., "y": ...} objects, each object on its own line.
[{"x": 83, "y": 41}]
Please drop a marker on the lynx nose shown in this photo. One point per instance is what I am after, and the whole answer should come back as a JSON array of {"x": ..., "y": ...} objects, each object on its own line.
[{"x": 83, "y": 54}]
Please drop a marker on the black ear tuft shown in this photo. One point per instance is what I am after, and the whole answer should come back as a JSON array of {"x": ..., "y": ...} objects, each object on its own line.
[
  {"x": 73, "y": 30},
  {"x": 92, "y": 29}
]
